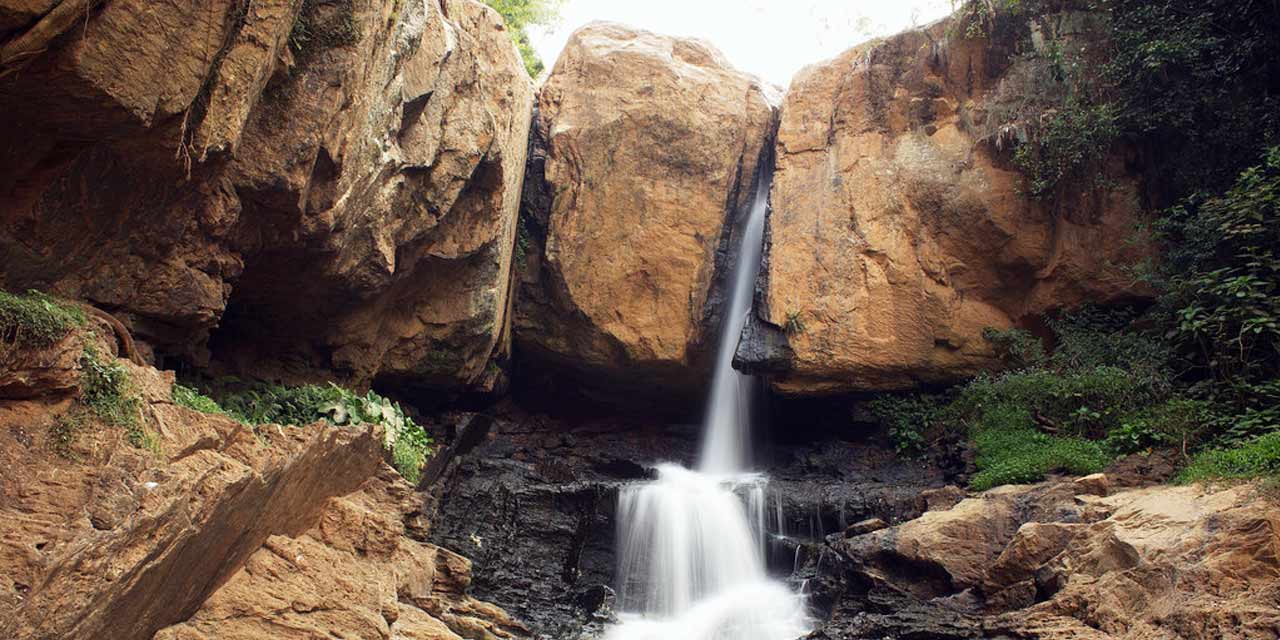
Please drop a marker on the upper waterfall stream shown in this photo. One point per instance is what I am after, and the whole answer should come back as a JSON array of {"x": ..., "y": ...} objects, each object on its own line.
[{"x": 691, "y": 542}]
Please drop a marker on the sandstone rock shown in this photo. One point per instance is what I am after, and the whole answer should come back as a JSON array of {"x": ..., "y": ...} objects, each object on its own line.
[
  {"x": 355, "y": 572},
  {"x": 950, "y": 550},
  {"x": 899, "y": 232},
  {"x": 1167, "y": 562},
  {"x": 231, "y": 531},
  {"x": 123, "y": 541},
  {"x": 344, "y": 196},
  {"x": 1097, "y": 484},
  {"x": 649, "y": 146},
  {"x": 941, "y": 498},
  {"x": 864, "y": 527}
]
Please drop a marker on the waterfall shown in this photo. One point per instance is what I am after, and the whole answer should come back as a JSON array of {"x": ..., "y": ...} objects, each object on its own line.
[{"x": 691, "y": 542}]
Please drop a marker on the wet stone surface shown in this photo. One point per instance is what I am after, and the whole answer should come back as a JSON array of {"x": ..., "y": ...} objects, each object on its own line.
[{"x": 532, "y": 503}]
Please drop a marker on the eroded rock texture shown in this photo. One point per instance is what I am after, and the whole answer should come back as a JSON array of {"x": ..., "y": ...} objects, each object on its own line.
[
  {"x": 647, "y": 147},
  {"x": 224, "y": 530},
  {"x": 1065, "y": 560},
  {"x": 332, "y": 183},
  {"x": 899, "y": 231}
]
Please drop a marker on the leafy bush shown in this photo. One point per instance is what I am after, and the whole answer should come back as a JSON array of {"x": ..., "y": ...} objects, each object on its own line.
[
  {"x": 192, "y": 399},
  {"x": 107, "y": 390},
  {"x": 519, "y": 15},
  {"x": 1257, "y": 458},
  {"x": 908, "y": 418},
  {"x": 257, "y": 403},
  {"x": 36, "y": 319},
  {"x": 1015, "y": 347}
]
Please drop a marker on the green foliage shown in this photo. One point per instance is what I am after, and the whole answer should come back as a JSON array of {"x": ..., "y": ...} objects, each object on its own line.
[
  {"x": 909, "y": 419},
  {"x": 1012, "y": 451},
  {"x": 519, "y": 15},
  {"x": 1015, "y": 347},
  {"x": 192, "y": 399},
  {"x": 258, "y": 403},
  {"x": 1066, "y": 150},
  {"x": 1257, "y": 458},
  {"x": 35, "y": 319},
  {"x": 1197, "y": 80},
  {"x": 1222, "y": 278},
  {"x": 64, "y": 431},
  {"x": 107, "y": 391}
]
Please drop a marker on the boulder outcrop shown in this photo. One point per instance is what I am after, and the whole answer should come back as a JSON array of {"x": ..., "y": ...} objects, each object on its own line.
[
  {"x": 899, "y": 231},
  {"x": 219, "y": 528},
  {"x": 330, "y": 187},
  {"x": 1056, "y": 560},
  {"x": 645, "y": 149}
]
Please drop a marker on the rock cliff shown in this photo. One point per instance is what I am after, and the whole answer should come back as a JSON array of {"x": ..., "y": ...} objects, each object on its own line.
[
  {"x": 330, "y": 187},
  {"x": 899, "y": 230},
  {"x": 646, "y": 148},
  {"x": 222, "y": 529}
]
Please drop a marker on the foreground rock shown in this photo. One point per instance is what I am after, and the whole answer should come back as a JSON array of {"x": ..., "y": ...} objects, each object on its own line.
[
  {"x": 1058, "y": 561},
  {"x": 899, "y": 230},
  {"x": 333, "y": 184},
  {"x": 646, "y": 148},
  {"x": 355, "y": 572},
  {"x": 281, "y": 526}
]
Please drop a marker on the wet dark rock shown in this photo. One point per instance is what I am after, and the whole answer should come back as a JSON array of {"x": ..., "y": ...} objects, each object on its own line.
[{"x": 532, "y": 503}]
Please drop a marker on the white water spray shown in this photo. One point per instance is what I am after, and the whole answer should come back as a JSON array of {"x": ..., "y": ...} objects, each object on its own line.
[{"x": 691, "y": 543}]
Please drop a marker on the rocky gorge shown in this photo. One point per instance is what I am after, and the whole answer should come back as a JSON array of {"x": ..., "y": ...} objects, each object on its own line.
[{"x": 373, "y": 193}]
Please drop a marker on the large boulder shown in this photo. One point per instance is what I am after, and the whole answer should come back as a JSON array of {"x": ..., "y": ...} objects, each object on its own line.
[
  {"x": 187, "y": 525},
  {"x": 646, "y": 148},
  {"x": 899, "y": 231},
  {"x": 1054, "y": 560},
  {"x": 330, "y": 187}
]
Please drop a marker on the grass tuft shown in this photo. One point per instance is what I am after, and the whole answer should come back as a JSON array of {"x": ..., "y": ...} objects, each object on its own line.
[
  {"x": 36, "y": 319},
  {"x": 1259, "y": 457}
]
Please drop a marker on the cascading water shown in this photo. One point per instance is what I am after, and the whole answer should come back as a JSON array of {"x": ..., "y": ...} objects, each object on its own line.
[{"x": 691, "y": 543}]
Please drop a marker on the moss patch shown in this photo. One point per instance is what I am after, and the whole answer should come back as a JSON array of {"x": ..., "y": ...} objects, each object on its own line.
[{"x": 36, "y": 319}]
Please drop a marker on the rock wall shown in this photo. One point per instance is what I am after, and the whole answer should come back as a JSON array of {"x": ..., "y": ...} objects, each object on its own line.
[
  {"x": 899, "y": 231},
  {"x": 219, "y": 528},
  {"x": 331, "y": 184},
  {"x": 646, "y": 148}
]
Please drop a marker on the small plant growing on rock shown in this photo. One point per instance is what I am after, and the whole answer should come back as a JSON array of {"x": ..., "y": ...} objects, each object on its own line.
[
  {"x": 795, "y": 324},
  {"x": 257, "y": 403},
  {"x": 36, "y": 319}
]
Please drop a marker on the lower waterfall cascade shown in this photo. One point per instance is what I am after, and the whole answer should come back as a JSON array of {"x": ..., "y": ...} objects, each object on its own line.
[{"x": 691, "y": 542}]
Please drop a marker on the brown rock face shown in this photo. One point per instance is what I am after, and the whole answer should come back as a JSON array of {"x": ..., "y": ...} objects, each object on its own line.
[
  {"x": 1053, "y": 561},
  {"x": 355, "y": 571},
  {"x": 649, "y": 145},
  {"x": 898, "y": 232},
  {"x": 333, "y": 184},
  {"x": 217, "y": 528}
]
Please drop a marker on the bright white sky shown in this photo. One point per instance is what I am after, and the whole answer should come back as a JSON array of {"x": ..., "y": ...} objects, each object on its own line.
[{"x": 770, "y": 38}]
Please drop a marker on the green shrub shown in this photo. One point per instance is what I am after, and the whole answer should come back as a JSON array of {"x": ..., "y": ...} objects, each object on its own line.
[
  {"x": 192, "y": 399},
  {"x": 1257, "y": 458},
  {"x": 36, "y": 319},
  {"x": 1015, "y": 347},
  {"x": 257, "y": 403},
  {"x": 1025, "y": 455},
  {"x": 107, "y": 391},
  {"x": 908, "y": 419},
  {"x": 519, "y": 15}
]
